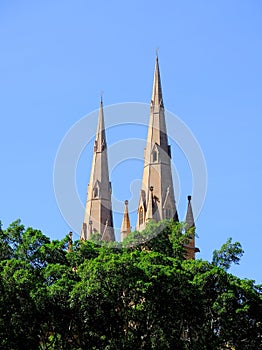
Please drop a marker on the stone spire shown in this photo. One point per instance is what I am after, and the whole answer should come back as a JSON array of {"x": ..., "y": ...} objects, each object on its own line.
[
  {"x": 190, "y": 228},
  {"x": 157, "y": 164},
  {"x": 98, "y": 214},
  {"x": 125, "y": 227}
]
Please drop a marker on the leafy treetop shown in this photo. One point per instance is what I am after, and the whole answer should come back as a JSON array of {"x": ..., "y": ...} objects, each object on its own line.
[{"x": 141, "y": 294}]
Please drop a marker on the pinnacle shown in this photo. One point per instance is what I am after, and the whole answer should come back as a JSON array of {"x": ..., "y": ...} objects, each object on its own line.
[
  {"x": 125, "y": 227},
  {"x": 189, "y": 215}
]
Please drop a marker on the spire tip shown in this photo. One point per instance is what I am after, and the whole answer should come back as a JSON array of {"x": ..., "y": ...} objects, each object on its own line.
[{"x": 101, "y": 96}]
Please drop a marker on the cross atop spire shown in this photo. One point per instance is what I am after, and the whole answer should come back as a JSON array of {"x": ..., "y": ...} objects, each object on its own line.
[{"x": 101, "y": 95}]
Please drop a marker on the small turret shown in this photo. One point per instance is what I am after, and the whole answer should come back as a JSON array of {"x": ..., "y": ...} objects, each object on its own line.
[
  {"x": 125, "y": 227},
  {"x": 189, "y": 215},
  {"x": 190, "y": 229}
]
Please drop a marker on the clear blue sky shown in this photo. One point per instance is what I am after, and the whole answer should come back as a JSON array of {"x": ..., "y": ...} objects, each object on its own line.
[{"x": 56, "y": 57}]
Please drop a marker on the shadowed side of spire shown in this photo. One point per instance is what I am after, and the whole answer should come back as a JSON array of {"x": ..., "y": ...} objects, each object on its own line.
[{"x": 125, "y": 227}]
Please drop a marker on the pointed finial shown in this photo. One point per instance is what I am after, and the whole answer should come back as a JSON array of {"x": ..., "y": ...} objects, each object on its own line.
[
  {"x": 150, "y": 205},
  {"x": 157, "y": 49},
  {"x": 101, "y": 96},
  {"x": 189, "y": 198},
  {"x": 126, "y": 202}
]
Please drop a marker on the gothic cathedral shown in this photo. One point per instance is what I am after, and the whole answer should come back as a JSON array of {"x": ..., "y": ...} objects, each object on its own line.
[{"x": 157, "y": 196}]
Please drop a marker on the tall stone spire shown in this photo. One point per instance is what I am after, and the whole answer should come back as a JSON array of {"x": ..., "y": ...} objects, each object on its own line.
[
  {"x": 190, "y": 228},
  {"x": 98, "y": 214},
  {"x": 125, "y": 227},
  {"x": 157, "y": 164}
]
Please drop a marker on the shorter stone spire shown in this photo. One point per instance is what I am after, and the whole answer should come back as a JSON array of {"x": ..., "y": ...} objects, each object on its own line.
[
  {"x": 98, "y": 217},
  {"x": 125, "y": 227}
]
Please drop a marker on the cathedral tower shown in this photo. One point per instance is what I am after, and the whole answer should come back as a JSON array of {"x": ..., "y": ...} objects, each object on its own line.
[
  {"x": 98, "y": 214},
  {"x": 157, "y": 199}
]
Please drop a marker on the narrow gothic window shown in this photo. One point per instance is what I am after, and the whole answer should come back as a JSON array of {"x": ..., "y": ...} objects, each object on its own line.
[
  {"x": 141, "y": 216},
  {"x": 154, "y": 156},
  {"x": 168, "y": 213},
  {"x": 95, "y": 192}
]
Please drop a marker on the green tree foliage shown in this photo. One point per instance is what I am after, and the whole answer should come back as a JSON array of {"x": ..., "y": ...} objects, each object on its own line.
[
  {"x": 229, "y": 253},
  {"x": 141, "y": 294}
]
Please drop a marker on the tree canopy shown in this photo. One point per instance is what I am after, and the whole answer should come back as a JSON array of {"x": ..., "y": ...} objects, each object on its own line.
[{"x": 141, "y": 294}]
